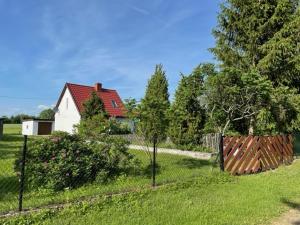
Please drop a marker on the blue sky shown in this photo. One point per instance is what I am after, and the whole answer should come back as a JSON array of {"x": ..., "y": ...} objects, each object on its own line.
[{"x": 44, "y": 44}]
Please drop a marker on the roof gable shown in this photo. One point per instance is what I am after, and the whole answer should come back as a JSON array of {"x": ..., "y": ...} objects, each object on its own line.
[{"x": 81, "y": 93}]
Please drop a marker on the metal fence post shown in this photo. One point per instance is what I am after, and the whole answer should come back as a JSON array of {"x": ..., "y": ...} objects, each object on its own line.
[
  {"x": 22, "y": 178},
  {"x": 221, "y": 146},
  {"x": 154, "y": 161}
]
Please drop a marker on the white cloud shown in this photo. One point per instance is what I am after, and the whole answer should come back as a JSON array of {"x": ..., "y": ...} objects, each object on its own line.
[
  {"x": 140, "y": 10},
  {"x": 43, "y": 107}
]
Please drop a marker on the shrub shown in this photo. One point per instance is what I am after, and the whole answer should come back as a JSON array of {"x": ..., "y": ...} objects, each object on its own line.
[
  {"x": 97, "y": 126},
  {"x": 93, "y": 128},
  {"x": 68, "y": 161},
  {"x": 116, "y": 127}
]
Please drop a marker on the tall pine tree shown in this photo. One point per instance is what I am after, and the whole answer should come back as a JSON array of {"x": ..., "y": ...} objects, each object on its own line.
[
  {"x": 154, "y": 107},
  {"x": 281, "y": 61},
  {"x": 244, "y": 26}
]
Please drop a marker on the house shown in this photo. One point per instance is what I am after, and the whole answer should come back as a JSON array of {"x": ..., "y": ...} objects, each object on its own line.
[
  {"x": 37, "y": 127},
  {"x": 70, "y": 105},
  {"x": 1, "y": 128}
]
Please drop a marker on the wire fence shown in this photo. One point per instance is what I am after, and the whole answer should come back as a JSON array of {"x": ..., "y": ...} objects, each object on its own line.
[{"x": 157, "y": 164}]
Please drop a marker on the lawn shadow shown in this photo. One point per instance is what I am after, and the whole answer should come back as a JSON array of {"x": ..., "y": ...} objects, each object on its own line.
[
  {"x": 148, "y": 170},
  {"x": 8, "y": 185},
  {"x": 11, "y": 138},
  {"x": 192, "y": 163}
]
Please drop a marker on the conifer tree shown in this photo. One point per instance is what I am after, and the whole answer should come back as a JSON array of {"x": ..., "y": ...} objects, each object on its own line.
[
  {"x": 154, "y": 107},
  {"x": 244, "y": 26},
  {"x": 281, "y": 61},
  {"x": 187, "y": 113},
  {"x": 93, "y": 106}
]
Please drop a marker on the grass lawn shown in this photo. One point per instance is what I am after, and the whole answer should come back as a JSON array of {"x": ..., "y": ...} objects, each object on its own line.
[
  {"x": 209, "y": 198},
  {"x": 171, "y": 168},
  {"x": 212, "y": 199}
]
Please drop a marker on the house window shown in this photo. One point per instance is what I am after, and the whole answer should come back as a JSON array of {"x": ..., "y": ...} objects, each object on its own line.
[{"x": 114, "y": 104}]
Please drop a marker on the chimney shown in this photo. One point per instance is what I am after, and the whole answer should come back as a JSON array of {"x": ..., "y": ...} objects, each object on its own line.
[{"x": 98, "y": 87}]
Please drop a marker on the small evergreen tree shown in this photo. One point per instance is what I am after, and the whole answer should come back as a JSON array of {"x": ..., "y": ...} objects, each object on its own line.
[
  {"x": 154, "y": 107},
  {"x": 187, "y": 113},
  {"x": 93, "y": 106}
]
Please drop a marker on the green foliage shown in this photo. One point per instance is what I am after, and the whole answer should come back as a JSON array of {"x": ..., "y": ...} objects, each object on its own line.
[
  {"x": 132, "y": 112},
  {"x": 93, "y": 106},
  {"x": 233, "y": 96},
  {"x": 94, "y": 128},
  {"x": 17, "y": 119},
  {"x": 68, "y": 161},
  {"x": 187, "y": 113},
  {"x": 281, "y": 61},
  {"x": 131, "y": 106},
  {"x": 116, "y": 127},
  {"x": 244, "y": 26},
  {"x": 154, "y": 107},
  {"x": 97, "y": 126},
  {"x": 258, "y": 39},
  {"x": 47, "y": 114}
]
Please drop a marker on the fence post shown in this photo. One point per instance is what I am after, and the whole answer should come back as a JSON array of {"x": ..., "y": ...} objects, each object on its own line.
[
  {"x": 154, "y": 161},
  {"x": 22, "y": 178},
  {"x": 221, "y": 152}
]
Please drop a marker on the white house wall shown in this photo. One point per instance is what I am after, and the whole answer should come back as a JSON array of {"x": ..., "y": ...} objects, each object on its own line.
[{"x": 67, "y": 114}]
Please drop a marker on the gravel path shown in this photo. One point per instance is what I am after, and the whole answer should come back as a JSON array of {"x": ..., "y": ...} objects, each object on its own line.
[{"x": 196, "y": 155}]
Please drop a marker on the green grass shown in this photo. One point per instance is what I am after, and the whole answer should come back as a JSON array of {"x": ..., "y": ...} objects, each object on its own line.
[
  {"x": 171, "y": 168},
  {"x": 211, "y": 197}
]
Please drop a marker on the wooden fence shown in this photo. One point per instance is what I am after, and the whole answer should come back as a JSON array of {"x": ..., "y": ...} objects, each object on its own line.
[
  {"x": 252, "y": 154},
  {"x": 211, "y": 141}
]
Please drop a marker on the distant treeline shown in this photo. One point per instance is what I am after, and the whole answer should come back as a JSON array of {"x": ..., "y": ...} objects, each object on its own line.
[
  {"x": 47, "y": 114},
  {"x": 17, "y": 119}
]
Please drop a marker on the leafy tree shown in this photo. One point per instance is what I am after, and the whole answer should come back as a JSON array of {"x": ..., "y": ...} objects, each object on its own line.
[
  {"x": 234, "y": 97},
  {"x": 154, "y": 107},
  {"x": 187, "y": 113},
  {"x": 47, "y": 114},
  {"x": 93, "y": 106}
]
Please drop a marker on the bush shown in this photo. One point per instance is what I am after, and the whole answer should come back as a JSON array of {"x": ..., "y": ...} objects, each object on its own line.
[
  {"x": 68, "y": 161},
  {"x": 116, "y": 127},
  {"x": 97, "y": 126}
]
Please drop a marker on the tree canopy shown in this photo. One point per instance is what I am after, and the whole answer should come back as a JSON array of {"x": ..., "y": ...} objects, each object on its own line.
[{"x": 47, "y": 114}]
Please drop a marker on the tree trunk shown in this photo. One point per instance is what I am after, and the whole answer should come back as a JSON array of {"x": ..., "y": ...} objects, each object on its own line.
[
  {"x": 251, "y": 127},
  {"x": 225, "y": 127}
]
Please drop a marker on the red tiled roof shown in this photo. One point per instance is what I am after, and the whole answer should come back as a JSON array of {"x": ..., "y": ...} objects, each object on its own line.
[{"x": 81, "y": 93}]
